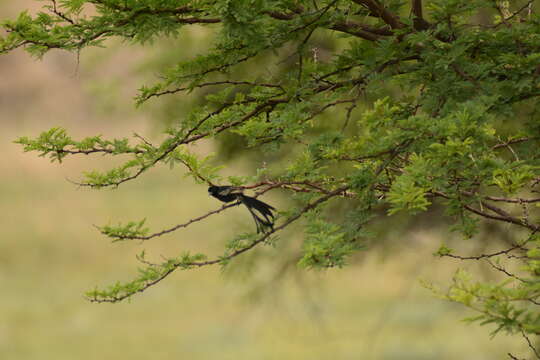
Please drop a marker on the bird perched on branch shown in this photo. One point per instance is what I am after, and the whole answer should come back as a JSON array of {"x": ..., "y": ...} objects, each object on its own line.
[{"x": 261, "y": 212}]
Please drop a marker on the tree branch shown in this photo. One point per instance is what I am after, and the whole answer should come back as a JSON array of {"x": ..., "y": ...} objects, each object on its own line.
[
  {"x": 513, "y": 141},
  {"x": 483, "y": 256},
  {"x": 377, "y": 9},
  {"x": 530, "y": 344},
  {"x": 508, "y": 219},
  {"x": 359, "y": 30},
  {"x": 223, "y": 259},
  {"x": 214, "y": 83},
  {"x": 186, "y": 139},
  {"x": 419, "y": 22},
  {"x": 512, "y": 200},
  {"x": 503, "y": 215},
  {"x": 170, "y": 230}
]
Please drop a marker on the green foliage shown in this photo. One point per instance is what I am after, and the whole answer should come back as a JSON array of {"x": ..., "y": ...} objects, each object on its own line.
[
  {"x": 504, "y": 304},
  {"x": 406, "y": 193},
  {"x": 513, "y": 177},
  {"x": 397, "y": 114},
  {"x": 57, "y": 145},
  {"x": 509, "y": 304},
  {"x": 148, "y": 275},
  {"x": 326, "y": 244},
  {"x": 443, "y": 251},
  {"x": 121, "y": 232}
]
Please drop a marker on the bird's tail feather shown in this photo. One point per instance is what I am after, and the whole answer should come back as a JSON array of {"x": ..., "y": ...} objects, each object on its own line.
[
  {"x": 263, "y": 209},
  {"x": 260, "y": 223}
]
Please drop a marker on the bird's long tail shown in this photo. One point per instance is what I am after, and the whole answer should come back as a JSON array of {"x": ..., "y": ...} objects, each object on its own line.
[{"x": 258, "y": 210}]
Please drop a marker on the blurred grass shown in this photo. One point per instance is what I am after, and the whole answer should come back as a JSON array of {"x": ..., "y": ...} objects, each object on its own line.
[{"x": 50, "y": 255}]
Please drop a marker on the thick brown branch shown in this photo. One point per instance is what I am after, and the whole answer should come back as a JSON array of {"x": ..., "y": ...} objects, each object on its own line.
[
  {"x": 193, "y": 20},
  {"x": 377, "y": 9},
  {"x": 384, "y": 30},
  {"x": 419, "y": 22},
  {"x": 416, "y": 8},
  {"x": 355, "y": 29},
  {"x": 510, "y": 142},
  {"x": 279, "y": 16},
  {"x": 367, "y": 32}
]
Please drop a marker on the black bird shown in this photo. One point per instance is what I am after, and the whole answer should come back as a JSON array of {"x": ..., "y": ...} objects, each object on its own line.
[{"x": 257, "y": 208}]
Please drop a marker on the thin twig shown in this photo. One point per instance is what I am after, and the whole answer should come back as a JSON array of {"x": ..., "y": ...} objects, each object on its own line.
[
  {"x": 483, "y": 256},
  {"x": 213, "y": 83},
  {"x": 530, "y": 344},
  {"x": 169, "y": 230},
  {"x": 527, "y": 5},
  {"x": 504, "y": 271}
]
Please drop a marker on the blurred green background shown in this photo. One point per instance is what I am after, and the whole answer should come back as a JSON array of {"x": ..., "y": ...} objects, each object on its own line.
[{"x": 50, "y": 253}]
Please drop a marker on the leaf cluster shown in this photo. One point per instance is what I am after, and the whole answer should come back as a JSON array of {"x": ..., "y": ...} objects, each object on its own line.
[{"x": 416, "y": 104}]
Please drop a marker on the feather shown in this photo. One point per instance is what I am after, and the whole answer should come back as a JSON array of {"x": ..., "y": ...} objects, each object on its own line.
[
  {"x": 261, "y": 212},
  {"x": 263, "y": 209}
]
